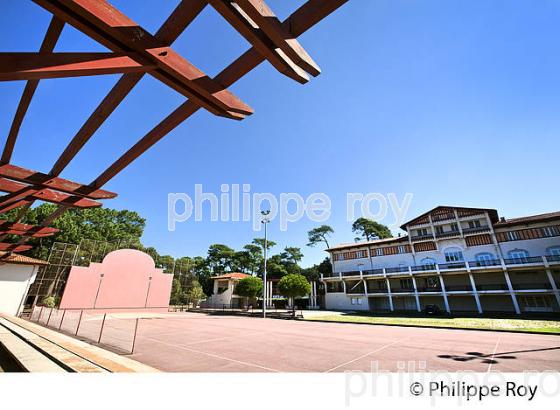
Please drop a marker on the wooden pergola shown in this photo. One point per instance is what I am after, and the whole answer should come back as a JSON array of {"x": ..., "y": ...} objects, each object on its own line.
[{"x": 134, "y": 53}]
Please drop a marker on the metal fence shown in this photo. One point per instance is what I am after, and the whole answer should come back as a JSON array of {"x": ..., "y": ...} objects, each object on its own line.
[{"x": 114, "y": 331}]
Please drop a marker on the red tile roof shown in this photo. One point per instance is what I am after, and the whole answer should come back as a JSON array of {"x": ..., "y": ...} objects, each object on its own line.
[
  {"x": 232, "y": 275},
  {"x": 10, "y": 257}
]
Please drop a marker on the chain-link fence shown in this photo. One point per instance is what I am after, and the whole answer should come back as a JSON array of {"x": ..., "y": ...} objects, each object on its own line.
[{"x": 115, "y": 331}]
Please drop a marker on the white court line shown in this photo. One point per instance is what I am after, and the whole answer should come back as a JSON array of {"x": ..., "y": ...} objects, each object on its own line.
[
  {"x": 365, "y": 355},
  {"x": 213, "y": 355},
  {"x": 493, "y": 354}
]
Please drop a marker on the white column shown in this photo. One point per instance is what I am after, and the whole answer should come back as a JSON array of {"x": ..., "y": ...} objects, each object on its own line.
[
  {"x": 553, "y": 284},
  {"x": 512, "y": 293},
  {"x": 416, "y": 296},
  {"x": 475, "y": 293},
  {"x": 389, "y": 294},
  {"x": 444, "y": 292}
]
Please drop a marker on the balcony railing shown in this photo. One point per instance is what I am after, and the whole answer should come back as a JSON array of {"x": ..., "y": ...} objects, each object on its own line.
[
  {"x": 531, "y": 286},
  {"x": 421, "y": 237},
  {"x": 447, "y": 234},
  {"x": 458, "y": 288},
  {"x": 373, "y": 272},
  {"x": 475, "y": 229},
  {"x": 351, "y": 273},
  {"x": 452, "y": 265},
  {"x": 423, "y": 268},
  {"x": 523, "y": 260},
  {"x": 494, "y": 286},
  {"x": 448, "y": 266},
  {"x": 429, "y": 289},
  {"x": 397, "y": 269},
  {"x": 483, "y": 263}
]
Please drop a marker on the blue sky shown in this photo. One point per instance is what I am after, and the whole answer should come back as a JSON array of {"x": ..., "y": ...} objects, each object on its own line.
[{"x": 455, "y": 102}]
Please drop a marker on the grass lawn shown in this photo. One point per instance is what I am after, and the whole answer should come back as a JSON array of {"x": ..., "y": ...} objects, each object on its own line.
[{"x": 525, "y": 325}]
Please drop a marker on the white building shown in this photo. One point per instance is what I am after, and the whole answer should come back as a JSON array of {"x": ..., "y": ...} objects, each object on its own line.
[
  {"x": 17, "y": 273},
  {"x": 460, "y": 259},
  {"x": 223, "y": 294}
]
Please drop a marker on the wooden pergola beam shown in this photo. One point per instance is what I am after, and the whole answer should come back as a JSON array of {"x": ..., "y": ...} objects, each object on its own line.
[
  {"x": 38, "y": 66},
  {"x": 259, "y": 13},
  {"x": 44, "y": 181},
  {"x": 183, "y": 15},
  {"x": 14, "y": 247},
  {"x": 49, "y": 42},
  {"x": 104, "y": 23},
  {"x": 309, "y": 14},
  {"x": 15, "y": 228},
  {"x": 259, "y": 40},
  {"x": 28, "y": 193}
]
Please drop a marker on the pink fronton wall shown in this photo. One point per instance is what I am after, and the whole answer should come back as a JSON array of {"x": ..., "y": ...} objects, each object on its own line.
[{"x": 126, "y": 280}]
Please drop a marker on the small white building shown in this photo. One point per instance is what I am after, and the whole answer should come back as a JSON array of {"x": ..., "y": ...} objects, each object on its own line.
[
  {"x": 224, "y": 288},
  {"x": 17, "y": 273}
]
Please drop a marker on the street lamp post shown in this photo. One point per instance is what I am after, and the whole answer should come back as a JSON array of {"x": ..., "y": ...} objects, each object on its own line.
[{"x": 265, "y": 222}]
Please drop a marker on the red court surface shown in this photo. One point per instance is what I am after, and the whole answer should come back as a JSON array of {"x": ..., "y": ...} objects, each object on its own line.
[{"x": 194, "y": 342}]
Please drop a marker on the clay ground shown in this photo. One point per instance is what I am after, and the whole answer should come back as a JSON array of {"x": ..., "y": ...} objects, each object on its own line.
[{"x": 194, "y": 342}]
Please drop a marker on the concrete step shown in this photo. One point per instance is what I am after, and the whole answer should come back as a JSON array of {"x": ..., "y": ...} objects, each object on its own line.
[
  {"x": 69, "y": 353},
  {"x": 27, "y": 358}
]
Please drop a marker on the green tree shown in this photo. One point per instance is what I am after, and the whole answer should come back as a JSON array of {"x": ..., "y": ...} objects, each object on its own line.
[
  {"x": 195, "y": 293},
  {"x": 319, "y": 234},
  {"x": 176, "y": 293},
  {"x": 249, "y": 288},
  {"x": 294, "y": 286},
  {"x": 99, "y": 224},
  {"x": 220, "y": 258},
  {"x": 369, "y": 229},
  {"x": 292, "y": 254},
  {"x": 260, "y": 242}
]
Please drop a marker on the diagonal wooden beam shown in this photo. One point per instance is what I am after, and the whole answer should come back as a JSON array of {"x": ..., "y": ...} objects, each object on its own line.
[
  {"x": 48, "y": 195},
  {"x": 259, "y": 12},
  {"x": 13, "y": 247},
  {"x": 183, "y": 15},
  {"x": 259, "y": 40},
  {"x": 38, "y": 66},
  {"x": 104, "y": 23},
  {"x": 49, "y": 182},
  {"x": 14, "y": 228},
  {"x": 49, "y": 42},
  {"x": 298, "y": 23}
]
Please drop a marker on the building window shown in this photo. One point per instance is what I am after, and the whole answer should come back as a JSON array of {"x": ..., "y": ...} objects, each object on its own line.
[
  {"x": 379, "y": 252},
  {"x": 454, "y": 227},
  {"x": 474, "y": 224},
  {"x": 534, "y": 303},
  {"x": 360, "y": 254},
  {"x": 512, "y": 235},
  {"x": 439, "y": 230},
  {"x": 484, "y": 257},
  {"x": 518, "y": 254},
  {"x": 422, "y": 232},
  {"x": 453, "y": 255},
  {"x": 382, "y": 285},
  {"x": 402, "y": 249},
  {"x": 432, "y": 282},
  {"x": 406, "y": 283},
  {"x": 553, "y": 251},
  {"x": 429, "y": 262},
  {"x": 550, "y": 231}
]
